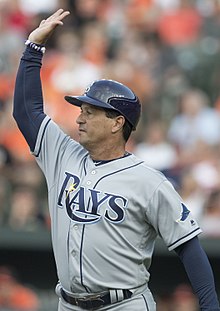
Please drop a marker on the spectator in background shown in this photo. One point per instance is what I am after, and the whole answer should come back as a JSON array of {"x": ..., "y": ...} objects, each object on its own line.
[
  {"x": 33, "y": 7},
  {"x": 10, "y": 37},
  {"x": 192, "y": 194},
  {"x": 11, "y": 139},
  {"x": 3, "y": 200},
  {"x": 206, "y": 167},
  {"x": 167, "y": 5},
  {"x": 5, "y": 175},
  {"x": 210, "y": 222},
  {"x": 14, "y": 296},
  {"x": 17, "y": 20},
  {"x": 25, "y": 213},
  {"x": 180, "y": 26},
  {"x": 5, "y": 158},
  {"x": 183, "y": 299},
  {"x": 71, "y": 68},
  {"x": 155, "y": 149},
  {"x": 196, "y": 123},
  {"x": 211, "y": 25}
]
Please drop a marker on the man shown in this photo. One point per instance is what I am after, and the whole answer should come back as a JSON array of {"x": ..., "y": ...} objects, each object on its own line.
[{"x": 107, "y": 207}]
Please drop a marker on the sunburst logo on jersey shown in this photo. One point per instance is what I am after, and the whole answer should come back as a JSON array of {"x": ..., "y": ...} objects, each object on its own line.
[{"x": 72, "y": 187}]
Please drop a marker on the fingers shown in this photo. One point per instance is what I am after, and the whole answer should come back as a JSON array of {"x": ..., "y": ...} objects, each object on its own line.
[
  {"x": 42, "y": 22},
  {"x": 47, "y": 27},
  {"x": 56, "y": 18},
  {"x": 58, "y": 15},
  {"x": 64, "y": 14}
]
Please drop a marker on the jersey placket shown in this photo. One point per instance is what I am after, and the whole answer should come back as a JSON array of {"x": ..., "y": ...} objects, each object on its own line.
[{"x": 76, "y": 236}]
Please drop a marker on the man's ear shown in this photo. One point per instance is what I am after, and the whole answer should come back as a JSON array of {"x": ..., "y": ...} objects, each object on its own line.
[{"x": 119, "y": 122}]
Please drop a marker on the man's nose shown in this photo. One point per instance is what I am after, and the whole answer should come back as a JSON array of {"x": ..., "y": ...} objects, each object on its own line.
[{"x": 80, "y": 119}]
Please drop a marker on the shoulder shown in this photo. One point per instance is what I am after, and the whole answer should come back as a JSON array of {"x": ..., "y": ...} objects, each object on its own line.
[
  {"x": 146, "y": 172},
  {"x": 51, "y": 137}
]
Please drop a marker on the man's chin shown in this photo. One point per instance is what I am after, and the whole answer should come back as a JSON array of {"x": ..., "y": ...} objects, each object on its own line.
[{"x": 83, "y": 143}]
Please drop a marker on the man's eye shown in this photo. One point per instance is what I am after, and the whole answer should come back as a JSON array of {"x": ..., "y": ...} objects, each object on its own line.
[{"x": 87, "y": 111}]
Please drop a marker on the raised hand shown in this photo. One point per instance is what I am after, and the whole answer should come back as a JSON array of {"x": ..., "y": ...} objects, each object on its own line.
[{"x": 47, "y": 27}]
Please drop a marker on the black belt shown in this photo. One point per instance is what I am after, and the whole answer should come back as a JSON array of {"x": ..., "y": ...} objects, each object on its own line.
[{"x": 93, "y": 302}]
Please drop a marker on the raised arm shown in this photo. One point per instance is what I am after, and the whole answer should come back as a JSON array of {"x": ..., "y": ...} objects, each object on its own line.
[{"x": 28, "y": 100}]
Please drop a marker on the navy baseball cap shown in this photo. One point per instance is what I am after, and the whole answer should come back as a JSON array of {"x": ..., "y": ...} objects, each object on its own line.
[{"x": 110, "y": 94}]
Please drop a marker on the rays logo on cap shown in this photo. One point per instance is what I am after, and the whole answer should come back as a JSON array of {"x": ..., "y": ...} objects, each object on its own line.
[{"x": 88, "y": 88}]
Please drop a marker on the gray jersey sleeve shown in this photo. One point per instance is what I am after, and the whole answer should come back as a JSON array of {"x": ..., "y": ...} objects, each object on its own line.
[{"x": 172, "y": 220}]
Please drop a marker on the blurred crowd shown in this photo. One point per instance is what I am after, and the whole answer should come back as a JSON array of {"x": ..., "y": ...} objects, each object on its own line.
[
  {"x": 16, "y": 295},
  {"x": 167, "y": 51}
]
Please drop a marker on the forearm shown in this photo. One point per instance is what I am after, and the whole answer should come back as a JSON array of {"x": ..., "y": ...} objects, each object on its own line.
[
  {"x": 200, "y": 274},
  {"x": 28, "y": 99}
]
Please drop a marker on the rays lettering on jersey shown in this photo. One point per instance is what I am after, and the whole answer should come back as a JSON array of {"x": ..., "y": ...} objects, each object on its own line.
[{"x": 83, "y": 205}]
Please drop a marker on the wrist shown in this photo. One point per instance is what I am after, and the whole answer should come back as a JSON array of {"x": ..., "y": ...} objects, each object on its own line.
[{"x": 35, "y": 46}]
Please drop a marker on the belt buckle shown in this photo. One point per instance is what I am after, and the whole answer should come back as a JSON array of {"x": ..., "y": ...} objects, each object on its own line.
[{"x": 92, "y": 302}]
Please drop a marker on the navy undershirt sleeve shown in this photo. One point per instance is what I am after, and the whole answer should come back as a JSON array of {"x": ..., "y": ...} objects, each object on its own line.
[
  {"x": 200, "y": 274},
  {"x": 28, "y": 100}
]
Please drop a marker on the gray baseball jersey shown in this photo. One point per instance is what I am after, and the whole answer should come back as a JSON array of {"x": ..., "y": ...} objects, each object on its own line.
[{"x": 105, "y": 218}]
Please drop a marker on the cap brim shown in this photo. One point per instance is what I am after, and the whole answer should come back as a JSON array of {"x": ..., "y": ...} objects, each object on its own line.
[{"x": 79, "y": 100}]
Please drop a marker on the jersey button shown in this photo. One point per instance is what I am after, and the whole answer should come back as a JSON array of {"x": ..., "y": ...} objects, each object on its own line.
[
  {"x": 88, "y": 182},
  {"x": 74, "y": 280},
  {"x": 73, "y": 253},
  {"x": 93, "y": 172},
  {"x": 76, "y": 227}
]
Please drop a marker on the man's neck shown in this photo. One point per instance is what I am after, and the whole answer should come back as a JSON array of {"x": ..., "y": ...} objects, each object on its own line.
[
  {"x": 100, "y": 162},
  {"x": 105, "y": 155},
  {"x": 107, "y": 151}
]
